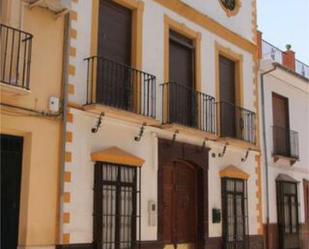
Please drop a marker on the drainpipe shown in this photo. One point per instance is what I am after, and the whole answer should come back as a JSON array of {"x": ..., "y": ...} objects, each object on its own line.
[
  {"x": 65, "y": 79},
  {"x": 265, "y": 152}
]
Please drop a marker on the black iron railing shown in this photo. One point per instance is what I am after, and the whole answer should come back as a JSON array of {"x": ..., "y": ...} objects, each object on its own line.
[
  {"x": 117, "y": 85},
  {"x": 15, "y": 55},
  {"x": 285, "y": 142},
  {"x": 185, "y": 106},
  {"x": 237, "y": 122}
]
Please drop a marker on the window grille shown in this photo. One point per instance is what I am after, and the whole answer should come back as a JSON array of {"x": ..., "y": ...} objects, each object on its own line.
[
  {"x": 117, "y": 206},
  {"x": 235, "y": 213}
]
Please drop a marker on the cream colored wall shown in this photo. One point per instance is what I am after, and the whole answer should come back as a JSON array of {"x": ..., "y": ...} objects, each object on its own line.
[{"x": 40, "y": 169}]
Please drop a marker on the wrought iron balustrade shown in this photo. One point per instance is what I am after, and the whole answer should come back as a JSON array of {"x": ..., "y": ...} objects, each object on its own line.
[
  {"x": 237, "y": 122},
  {"x": 15, "y": 55},
  {"x": 285, "y": 142},
  {"x": 120, "y": 86},
  {"x": 188, "y": 107}
]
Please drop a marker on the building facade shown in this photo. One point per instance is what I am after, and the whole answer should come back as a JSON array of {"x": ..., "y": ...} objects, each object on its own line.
[
  {"x": 285, "y": 136},
  {"x": 162, "y": 147},
  {"x": 31, "y": 72}
]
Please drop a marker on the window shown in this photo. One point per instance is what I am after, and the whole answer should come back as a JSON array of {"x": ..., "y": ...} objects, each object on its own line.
[
  {"x": 234, "y": 209},
  {"x": 116, "y": 206}
]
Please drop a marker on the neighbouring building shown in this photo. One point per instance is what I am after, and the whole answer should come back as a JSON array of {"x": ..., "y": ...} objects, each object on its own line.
[
  {"x": 31, "y": 72},
  {"x": 285, "y": 122},
  {"x": 162, "y": 144}
]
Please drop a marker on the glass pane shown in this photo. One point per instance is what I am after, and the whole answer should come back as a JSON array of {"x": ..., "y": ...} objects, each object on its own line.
[
  {"x": 110, "y": 173},
  {"x": 230, "y": 217},
  {"x": 239, "y": 219},
  {"x": 126, "y": 217},
  {"x": 109, "y": 218},
  {"x": 294, "y": 214},
  {"x": 239, "y": 186},
  {"x": 286, "y": 214},
  {"x": 127, "y": 175},
  {"x": 230, "y": 185}
]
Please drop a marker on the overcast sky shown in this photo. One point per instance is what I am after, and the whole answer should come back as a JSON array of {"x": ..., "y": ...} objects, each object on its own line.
[{"x": 286, "y": 22}]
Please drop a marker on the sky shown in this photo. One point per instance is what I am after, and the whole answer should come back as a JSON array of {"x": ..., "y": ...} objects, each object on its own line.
[{"x": 286, "y": 22}]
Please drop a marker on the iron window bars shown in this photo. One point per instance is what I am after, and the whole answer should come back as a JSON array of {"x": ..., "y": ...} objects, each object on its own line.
[
  {"x": 189, "y": 107},
  {"x": 117, "y": 85},
  {"x": 117, "y": 206},
  {"x": 15, "y": 54},
  {"x": 235, "y": 214},
  {"x": 242, "y": 124},
  {"x": 285, "y": 142}
]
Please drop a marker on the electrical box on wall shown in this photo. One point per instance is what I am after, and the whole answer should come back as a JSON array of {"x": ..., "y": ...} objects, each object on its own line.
[
  {"x": 216, "y": 215},
  {"x": 152, "y": 211},
  {"x": 53, "y": 104}
]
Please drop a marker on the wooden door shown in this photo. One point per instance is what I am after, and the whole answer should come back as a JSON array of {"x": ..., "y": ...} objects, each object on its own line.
[
  {"x": 11, "y": 160},
  {"x": 288, "y": 218},
  {"x": 114, "y": 43},
  {"x": 179, "y": 203},
  {"x": 281, "y": 133},
  {"x": 181, "y": 74},
  {"x": 227, "y": 97}
]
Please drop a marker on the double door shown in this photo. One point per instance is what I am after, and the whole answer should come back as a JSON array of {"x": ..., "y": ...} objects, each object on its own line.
[{"x": 179, "y": 203}]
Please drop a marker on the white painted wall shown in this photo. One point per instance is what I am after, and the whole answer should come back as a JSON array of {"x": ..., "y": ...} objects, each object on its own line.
[{"x": 297, "y": 91}]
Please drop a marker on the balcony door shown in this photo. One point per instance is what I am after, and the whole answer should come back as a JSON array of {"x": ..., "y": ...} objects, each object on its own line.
[
  {"x": 227, "y": 97},
  {"x": 11, "y": 161},
  {"x": 181, "y": 75},
  {"x": 114, "y": 76},
  {"x": 281, "y": 129}
]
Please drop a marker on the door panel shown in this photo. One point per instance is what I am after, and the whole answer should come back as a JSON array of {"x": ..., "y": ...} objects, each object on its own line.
[
  {"x": 114, "y": 81},
  {"x": 179, "y": 203},
  {"x": 181, "y": 71},
  {"x": 11, "y": 160},
  {"x": 281, "y": 134},
  {"x": 227, "y": 96}
]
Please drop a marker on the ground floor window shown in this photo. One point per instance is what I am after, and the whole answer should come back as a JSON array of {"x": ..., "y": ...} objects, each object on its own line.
[
  {"x": 116, "y": 206},
  {"x": 287, "y": 205},
  {"x": 235, "y": 213}
]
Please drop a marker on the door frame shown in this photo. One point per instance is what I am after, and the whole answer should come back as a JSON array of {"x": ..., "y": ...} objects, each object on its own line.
[
  {"x": 239, "y": 74},
  {"x": 171, "y": 151},
  {"x": 172, "y": 25}
]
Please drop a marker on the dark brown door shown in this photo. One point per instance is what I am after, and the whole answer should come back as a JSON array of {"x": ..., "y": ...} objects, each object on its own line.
[
  {"x": 179, "y": 203},
  {"x": 227, "y": 97},
  {"x": 287, "y": 207},
  {"x": 114, "y": 46},
  {"x": 181, "y": 75},
  {"x": 281, "y": 133},
  {"x": 11, "y": 160}
]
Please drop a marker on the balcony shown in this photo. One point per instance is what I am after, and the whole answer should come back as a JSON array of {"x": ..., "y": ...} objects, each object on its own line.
[
  {"x": 188, "y": 110},
  {"x": 237, "y": 122},
  {"x": 285, "y": 144},
  {"x": 117, "y": 89},
  {"x": 15, "y": 60}
]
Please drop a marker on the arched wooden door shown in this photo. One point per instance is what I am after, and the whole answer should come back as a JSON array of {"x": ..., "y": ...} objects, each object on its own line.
[{"x": 179, "y": 203}]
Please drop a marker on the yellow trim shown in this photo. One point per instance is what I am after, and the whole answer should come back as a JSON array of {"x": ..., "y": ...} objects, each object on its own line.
[
  {"x": 170, "y": 24},
  {"x": 117, "y": 156},
  {"x": 233, "y": 12},
  {"x": 66, "y": 217},
  {"x": 137, "y": 8},
  {"x": 208, "y": 23},
  {"x": 239, "y": 74},
  {"x": 234, "y": 172},
  {"x": 68, "y": 157},
  {"x": 259, "y": 208},
  {"x": 66, "y": 238},
  {"x": 67, "y": 197}
]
